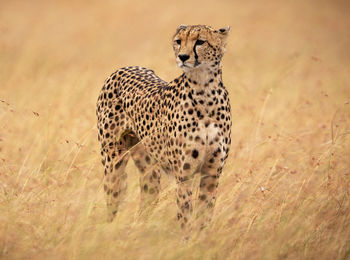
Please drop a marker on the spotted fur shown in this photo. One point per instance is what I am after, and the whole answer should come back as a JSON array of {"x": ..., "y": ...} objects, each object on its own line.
[{"x": 182, "y": 127}]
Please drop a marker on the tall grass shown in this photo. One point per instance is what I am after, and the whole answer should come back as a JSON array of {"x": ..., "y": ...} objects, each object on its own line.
[{"x": 285, "y": 189}]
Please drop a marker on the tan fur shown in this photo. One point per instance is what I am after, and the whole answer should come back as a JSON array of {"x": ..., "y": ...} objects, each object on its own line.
[{"x": 182, "y": 127}]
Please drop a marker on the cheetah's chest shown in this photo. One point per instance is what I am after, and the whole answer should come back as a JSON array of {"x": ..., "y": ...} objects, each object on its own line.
[{"x": 208, "y": 131}]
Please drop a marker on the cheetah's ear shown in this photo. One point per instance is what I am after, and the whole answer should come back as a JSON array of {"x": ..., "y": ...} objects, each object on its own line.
[
  {"x": 181, "y": 27},
  {"x": 225, "y": 31}
]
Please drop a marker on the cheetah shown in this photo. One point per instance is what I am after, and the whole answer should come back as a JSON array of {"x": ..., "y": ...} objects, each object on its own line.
[{"x": 181, "y": 128}]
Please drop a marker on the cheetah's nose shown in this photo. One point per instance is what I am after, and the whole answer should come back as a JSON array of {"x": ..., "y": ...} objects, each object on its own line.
[{"x": 184, "y": 57}]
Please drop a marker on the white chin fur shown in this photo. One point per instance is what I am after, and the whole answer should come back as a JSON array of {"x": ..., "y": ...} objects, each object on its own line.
[{"x": 184, "y": 67}]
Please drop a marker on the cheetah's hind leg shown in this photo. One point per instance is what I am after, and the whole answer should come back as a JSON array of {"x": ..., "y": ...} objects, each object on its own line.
[
  {"x": 149, "y": 177},
  {"x": 116, "y": 156}
]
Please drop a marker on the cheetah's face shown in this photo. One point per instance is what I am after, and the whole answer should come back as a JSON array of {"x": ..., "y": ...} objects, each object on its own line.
[{"x": 198, "y": 46}]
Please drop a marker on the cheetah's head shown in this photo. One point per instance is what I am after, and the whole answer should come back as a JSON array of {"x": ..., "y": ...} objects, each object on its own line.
[{"x": 198, "y": 46}]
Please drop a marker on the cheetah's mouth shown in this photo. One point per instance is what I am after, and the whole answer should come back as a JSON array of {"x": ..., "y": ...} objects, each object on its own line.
[{"x": 185, "y": 65}]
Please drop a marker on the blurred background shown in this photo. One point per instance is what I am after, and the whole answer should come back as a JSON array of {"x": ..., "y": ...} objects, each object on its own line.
[
  {"x": 285, "y": 188},
  {"x": 102, "y": 36}
]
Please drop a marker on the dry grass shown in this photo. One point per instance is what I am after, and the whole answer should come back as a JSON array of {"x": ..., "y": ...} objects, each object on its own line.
[{"x": 286, "y": 187}]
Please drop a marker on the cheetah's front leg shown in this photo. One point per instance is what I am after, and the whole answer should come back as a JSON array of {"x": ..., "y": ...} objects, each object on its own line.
[
  {"x": 184, "y": 201},
  {"x": 209, "y": 182}
]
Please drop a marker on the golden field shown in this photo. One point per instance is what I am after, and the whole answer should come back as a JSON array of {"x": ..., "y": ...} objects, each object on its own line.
[{"x": 285, "y": 190}]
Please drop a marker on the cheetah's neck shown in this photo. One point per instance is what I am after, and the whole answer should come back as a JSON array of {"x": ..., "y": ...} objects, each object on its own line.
[
  {"x": 204, "y": 77},
  {"x": 206, "y": 91},
  {"x": 203, "y": 83}
]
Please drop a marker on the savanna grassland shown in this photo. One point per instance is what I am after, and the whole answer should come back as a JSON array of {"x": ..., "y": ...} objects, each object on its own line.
[{"x": 285, "y": 190}]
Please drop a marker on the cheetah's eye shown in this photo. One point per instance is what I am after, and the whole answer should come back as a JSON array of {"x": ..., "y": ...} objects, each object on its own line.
[
  {"x": 178, "y": 42},
  {"x": 199, "y": 42}
]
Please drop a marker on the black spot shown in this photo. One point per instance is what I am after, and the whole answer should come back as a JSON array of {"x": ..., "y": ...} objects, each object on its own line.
[
  {"x": 154, "y": 174},
  {"x": 211, "y": 187},
  {"x": 200, "y": 116},
  {"x": 187, "y": 205},
  {"x": 194, "y": 153},
  {"x": 202, "y": 197},
  {"x": 190, "y": 95},
  {"x": 117, "y": 165},
  {"x": 187, "y": 166}
]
